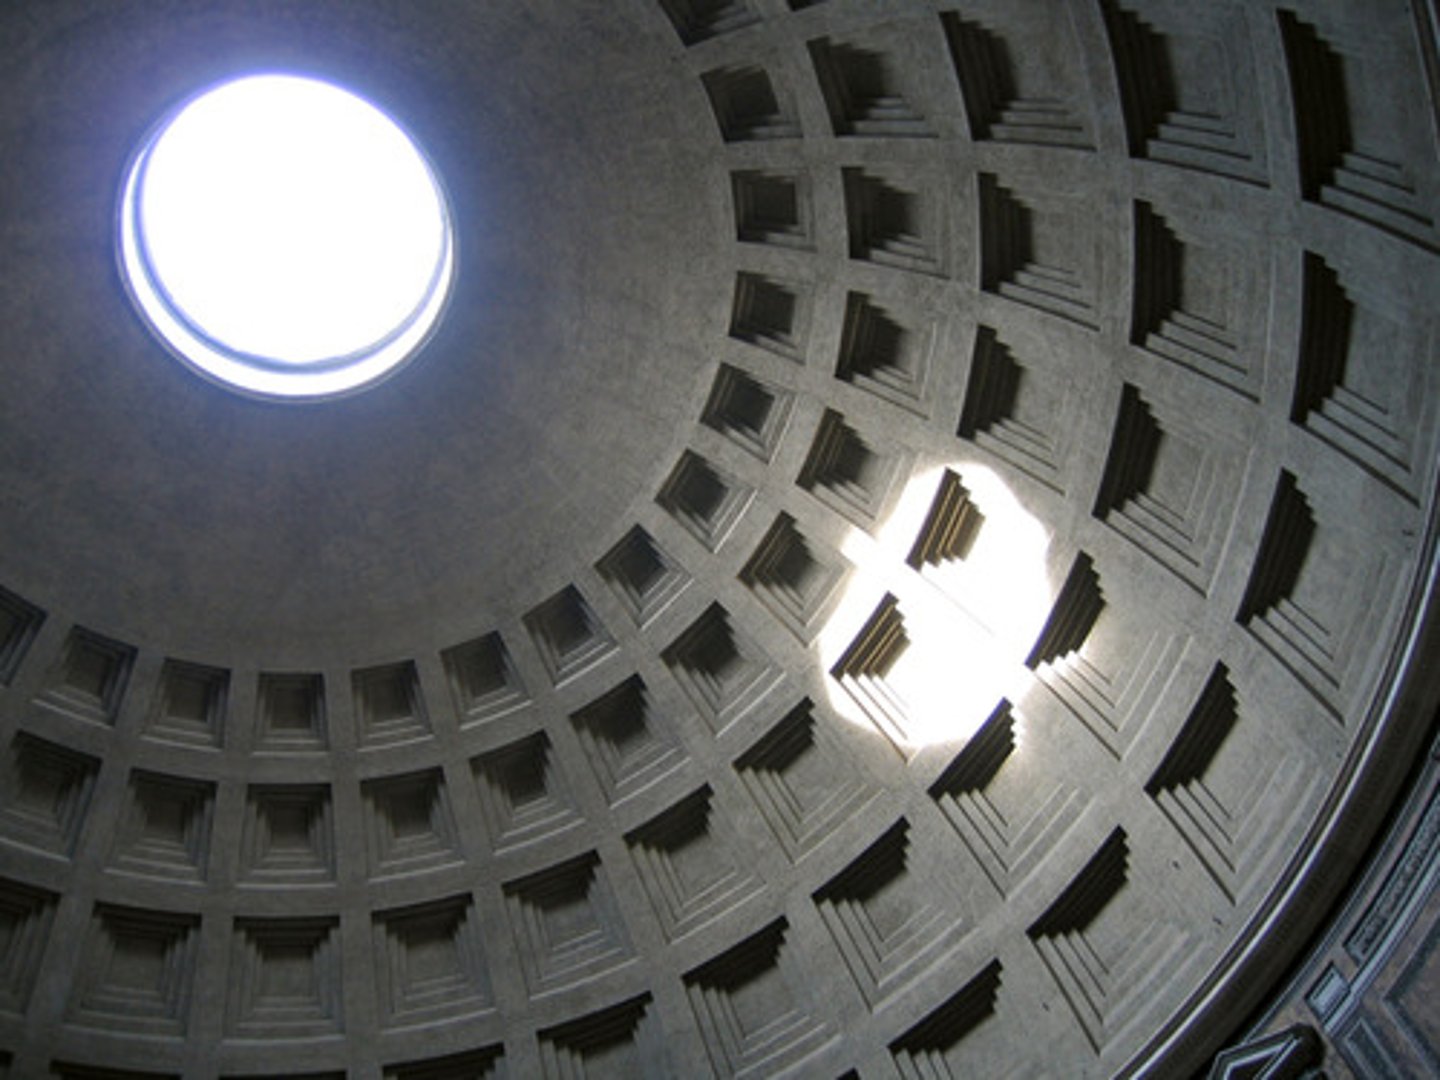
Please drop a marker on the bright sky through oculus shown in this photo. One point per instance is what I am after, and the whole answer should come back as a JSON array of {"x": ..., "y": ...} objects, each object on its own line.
[{"x": 286, "y": 237}]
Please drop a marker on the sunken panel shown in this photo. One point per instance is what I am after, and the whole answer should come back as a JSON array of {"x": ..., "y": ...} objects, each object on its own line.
[
  {"x": 1208, "y": 726},
  {"x": 1107, "y": 668},
  {"x": 1289, "y": 531},
  {"x": 932, "y": 1048},
  {"x": 1005, "y": 825},
  {"x": 752, "y": 1018},
  {"x": 688, "y": 865},
  {"x": 1168, "y": 488},
  {"x": 483, "y": 680},
  {"x": 1359, "y": 154},
  {"x": 993, "y": 387},
  {"x": 1017, "y": 413},
  {"x": 867, "y": 90},
  {"x": 165, "y": 831},
  {"x": 1072, "y": 616},
  {"x": 191, "y": 706},
  {"x": 292, "y": 712},
  {"x": 89, "y": 680},
  {"x": 644, "y": 576},
  {"x": 46, "y": 794},
  {"x": 289, "y": 835},
  {"x": 1325, "y": 336},
  {"x": 705, "y": 500},
  {"x": 846, "y": 472},
  {"x": 748, "y": 106},
  {"x": 772, "y": 314},
  {"x": 19, "y": 623},
  {"x": 796, "y": 580},
  {"x": 626, "y": 743},
  {"x": 721, "y": 670},
  {"x": 388, "y": 705},
  {"x": 889, "y": 672},
  {"x": 1361, "y": 383},
  {"x": 486, "y": 1063},
  {"x": 284, "y": 979},
  {"x": 431, "y": 963},
  {"x": 881, "y": 354},
  {"x": 773, "y": 207},
  {"x": 950, "y": 527},
  {"x": 701, "y": 20},
  {"x": 138, "y": 971},
  {"x": 567, "y": 924},
  {"x": 1103, "y": 952},
  {"x": 802, "y": 780},
  {"x": 1314, "y": 590},
  {"x": 886, "y": 917},
  {"x": 1190, "y": 300},
  {"x": 613, "y": 1041},
  {"x": 1134, "y": 445},
  {"x": 1017, "y": 85},
  {"x": 1038, "y": 251},
  {"x": 891, "y": 223},
  {"x": 1233, "y": 803},
  {"x": 26, "y": 916},
  {"x": 524, "y": 795},
  {"x": 750, "y": 412},
  {"x": 867, "y": 670},
  {"x": 568, "y": 635},
  {"x": 1186, "y": 91},
  {"x": 409, "y": 826}
]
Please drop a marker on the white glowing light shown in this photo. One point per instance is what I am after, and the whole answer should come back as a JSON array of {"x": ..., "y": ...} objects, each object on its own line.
[
  {"x": 286, "y": 237},
  {"x": 968, "y": 623}
]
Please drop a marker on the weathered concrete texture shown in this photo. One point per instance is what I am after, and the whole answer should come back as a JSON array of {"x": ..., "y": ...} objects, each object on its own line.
[{"x": 908, "y": 555}]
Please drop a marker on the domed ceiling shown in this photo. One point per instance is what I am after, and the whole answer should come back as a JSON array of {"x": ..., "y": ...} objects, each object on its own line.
[
  {"x": 566, "y": 364},
  {"x": 902, "y": 557}
]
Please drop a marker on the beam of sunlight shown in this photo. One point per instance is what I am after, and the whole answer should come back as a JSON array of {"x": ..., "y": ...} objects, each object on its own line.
[{"x": 949, "y": 638}]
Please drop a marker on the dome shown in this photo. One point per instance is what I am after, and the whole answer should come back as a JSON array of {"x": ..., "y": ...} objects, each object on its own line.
[{"x": 907, "y": 551}]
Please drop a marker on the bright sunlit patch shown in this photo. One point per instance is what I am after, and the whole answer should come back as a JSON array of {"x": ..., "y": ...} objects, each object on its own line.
[
  {"x": 286, "y": 237},
  {"x": 967, "y": 623}
]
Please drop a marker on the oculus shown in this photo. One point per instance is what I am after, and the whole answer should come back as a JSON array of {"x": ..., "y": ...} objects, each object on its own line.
[{"x": 285, "y": 238}]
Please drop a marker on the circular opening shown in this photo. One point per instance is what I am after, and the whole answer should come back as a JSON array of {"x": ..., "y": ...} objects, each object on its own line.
[{"x": 286, "y": 238}]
